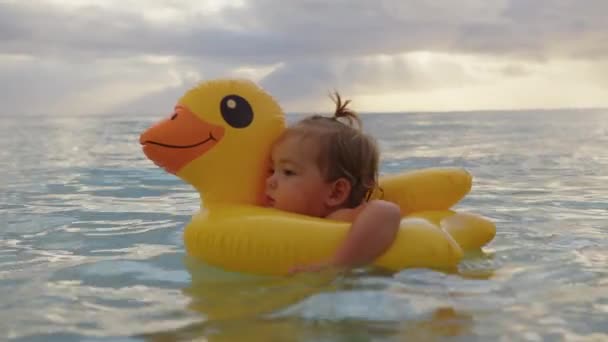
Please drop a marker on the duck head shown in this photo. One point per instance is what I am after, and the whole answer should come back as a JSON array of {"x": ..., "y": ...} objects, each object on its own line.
[{"x": 218, "y": 139}]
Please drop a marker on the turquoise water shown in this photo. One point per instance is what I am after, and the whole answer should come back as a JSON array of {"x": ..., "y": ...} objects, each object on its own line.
[{"x": 91, "y": 249}]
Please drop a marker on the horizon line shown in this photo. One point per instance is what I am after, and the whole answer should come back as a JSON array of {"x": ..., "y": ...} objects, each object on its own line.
[{"x": 392, "y": 112}]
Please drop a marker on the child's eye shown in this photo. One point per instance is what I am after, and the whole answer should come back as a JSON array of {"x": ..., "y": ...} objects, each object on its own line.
[{"x": 288, "y": 172}]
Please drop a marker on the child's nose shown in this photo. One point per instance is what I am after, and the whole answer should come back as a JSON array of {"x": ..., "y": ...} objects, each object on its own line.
[{"x": 271, "y": 182}]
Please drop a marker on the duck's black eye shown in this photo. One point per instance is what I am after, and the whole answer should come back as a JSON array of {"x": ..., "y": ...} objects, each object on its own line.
[{"x": 236, "y": 111}]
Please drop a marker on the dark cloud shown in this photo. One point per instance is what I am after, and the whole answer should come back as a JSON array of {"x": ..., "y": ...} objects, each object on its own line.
[
  {"x": 543, "y": 29},
  {"x": 271, "y": 31},
  {"x": 62, "y": 51}
]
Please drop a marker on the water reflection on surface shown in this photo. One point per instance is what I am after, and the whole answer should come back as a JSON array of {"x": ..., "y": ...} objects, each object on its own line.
[{"x": 90, "y": 241}]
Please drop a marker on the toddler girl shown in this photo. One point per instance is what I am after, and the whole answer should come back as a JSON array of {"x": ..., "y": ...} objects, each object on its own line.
[{"x": 326, "y": 167}]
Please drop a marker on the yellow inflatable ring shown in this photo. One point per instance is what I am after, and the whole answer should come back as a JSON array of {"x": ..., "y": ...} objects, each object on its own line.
[{"x": 218, "y": 139}]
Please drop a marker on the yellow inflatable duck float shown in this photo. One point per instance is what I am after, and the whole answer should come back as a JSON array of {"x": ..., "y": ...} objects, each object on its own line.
[{"x": 218, "y": 139}]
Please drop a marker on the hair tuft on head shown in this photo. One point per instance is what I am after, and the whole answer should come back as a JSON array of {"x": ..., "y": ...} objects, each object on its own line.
[{"x": 343, "y": 112}]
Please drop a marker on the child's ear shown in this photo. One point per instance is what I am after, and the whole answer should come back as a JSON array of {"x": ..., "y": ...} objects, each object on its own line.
[{"x": 340, "y": 190}]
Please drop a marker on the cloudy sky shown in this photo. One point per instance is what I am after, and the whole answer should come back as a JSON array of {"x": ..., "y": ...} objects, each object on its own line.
[{"x": 87, "y": 56}]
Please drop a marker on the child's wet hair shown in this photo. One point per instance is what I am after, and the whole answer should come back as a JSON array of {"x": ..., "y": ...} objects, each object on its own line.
[{"x": 344, "y": 151}]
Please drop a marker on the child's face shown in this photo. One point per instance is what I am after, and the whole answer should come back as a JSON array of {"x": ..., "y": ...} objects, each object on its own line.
[{"x": 296, "y": 183}]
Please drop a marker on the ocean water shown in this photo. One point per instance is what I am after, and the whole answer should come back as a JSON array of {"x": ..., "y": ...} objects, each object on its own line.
[{"x": 91, "y": 240}]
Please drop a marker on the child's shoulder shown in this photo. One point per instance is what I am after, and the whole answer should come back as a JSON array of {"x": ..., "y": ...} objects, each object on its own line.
[
  {"x": 346, "y": 214},
  {"x": 376, "y": 206}
]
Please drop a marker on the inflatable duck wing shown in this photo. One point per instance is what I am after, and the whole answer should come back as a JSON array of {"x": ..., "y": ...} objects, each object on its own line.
[{"x": 218, "y": 139}]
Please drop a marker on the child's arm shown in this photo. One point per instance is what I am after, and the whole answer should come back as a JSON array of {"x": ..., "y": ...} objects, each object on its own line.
[
  {"x": 373, "y": 231},
  {"x": 371, "y": 234}
]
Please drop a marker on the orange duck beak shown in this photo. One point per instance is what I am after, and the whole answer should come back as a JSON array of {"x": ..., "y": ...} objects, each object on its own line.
[{"x": 174, "y": 142}]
